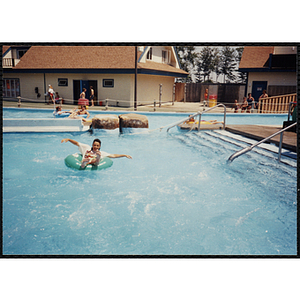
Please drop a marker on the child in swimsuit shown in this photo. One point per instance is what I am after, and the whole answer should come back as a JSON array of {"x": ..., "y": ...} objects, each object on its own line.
[{"x": 89, "y": 156}]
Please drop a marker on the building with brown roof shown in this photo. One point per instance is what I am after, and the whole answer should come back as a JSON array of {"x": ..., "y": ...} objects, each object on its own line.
[
  {"x": 109, "y": 69},
  {"x": 271, "y": 68}
]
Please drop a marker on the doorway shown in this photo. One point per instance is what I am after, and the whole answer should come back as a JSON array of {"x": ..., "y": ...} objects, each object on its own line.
[
  {"x": 78, "y": 86},
  {"x": 257, "y": 88}
]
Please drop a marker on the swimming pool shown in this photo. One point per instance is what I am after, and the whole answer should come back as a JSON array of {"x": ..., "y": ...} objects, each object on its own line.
[
  {"x": 177, "y": 196},
  {"x": 231, "y": 118}
]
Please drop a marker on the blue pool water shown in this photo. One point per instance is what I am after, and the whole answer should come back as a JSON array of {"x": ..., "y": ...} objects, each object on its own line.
[
  {"x": 232, "y": 118},
  {"x": 177, "y": 196}
]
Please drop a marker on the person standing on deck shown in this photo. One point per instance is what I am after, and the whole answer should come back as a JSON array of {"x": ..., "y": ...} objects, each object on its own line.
[
  {"x": 92, "y": 95},
  {"x": 263, "y": 95},
  {"x": 82, "y": 95},
  {"x": 51, "y": 93}
]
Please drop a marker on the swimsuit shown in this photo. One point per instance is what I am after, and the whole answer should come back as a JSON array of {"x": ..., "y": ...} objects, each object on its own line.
[
  {"x": 83, "y": 148},
  {"x": 90, "y": 154},
  {"x": 249, "y": 100}
]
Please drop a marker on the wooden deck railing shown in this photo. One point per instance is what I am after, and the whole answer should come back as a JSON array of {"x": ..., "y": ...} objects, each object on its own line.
[
  {"x": 276, "y": 104},
  {"x": 8, "y": 62}
]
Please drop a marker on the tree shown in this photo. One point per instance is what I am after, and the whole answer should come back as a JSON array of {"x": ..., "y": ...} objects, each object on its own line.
[
  {"x": 241, "y": 76},
  {"x": 187, "y": 56},
  {"x": 228, "y": 63},
  {"x": 216, "y": 62},
  {"x": 205, "y": 63}
]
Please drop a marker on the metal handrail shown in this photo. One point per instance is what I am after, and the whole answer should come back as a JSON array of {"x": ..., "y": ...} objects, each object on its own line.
[
  {"x": 221, "y": 104},
  {"x": 200, "y": 114},
  {"x": 249, "y": 148}
]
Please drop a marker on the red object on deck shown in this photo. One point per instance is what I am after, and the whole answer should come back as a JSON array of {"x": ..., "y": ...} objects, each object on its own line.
[{"x": 83, "y": 101}]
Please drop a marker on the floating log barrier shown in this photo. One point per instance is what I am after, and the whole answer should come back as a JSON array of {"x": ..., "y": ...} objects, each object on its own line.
[
  {"x": 105, "y": 121},
  {"x": 133, "y": 121}
]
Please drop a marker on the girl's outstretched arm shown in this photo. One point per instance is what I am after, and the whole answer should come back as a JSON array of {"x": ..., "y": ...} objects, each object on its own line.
[
  {"x": 71, "y": 141},
  {"x": 119, "y": 155}
]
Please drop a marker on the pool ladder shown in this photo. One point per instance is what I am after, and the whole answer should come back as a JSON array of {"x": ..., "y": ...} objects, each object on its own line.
[
  {"x": 200, "y": 115},
  {"x": 249, "y": 148}
]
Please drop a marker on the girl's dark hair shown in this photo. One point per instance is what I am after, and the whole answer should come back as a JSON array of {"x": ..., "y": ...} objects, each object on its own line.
[{"x": 96, "y": 140}]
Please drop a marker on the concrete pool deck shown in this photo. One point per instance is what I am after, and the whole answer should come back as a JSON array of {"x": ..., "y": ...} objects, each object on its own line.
[{"x": 256, "y": 132}]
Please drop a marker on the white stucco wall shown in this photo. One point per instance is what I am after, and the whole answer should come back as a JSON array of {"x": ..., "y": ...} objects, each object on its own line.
[
  {"x": 285, "y": 50},
  {"x": 149, "y": 88},
  {"x": 123, "y": 90},
  {"x": 275, "y": 78},
  {"x": 157, "y": 55},
  {"x": 28, "y": 84},
  {"x": 120, "y": 92}
]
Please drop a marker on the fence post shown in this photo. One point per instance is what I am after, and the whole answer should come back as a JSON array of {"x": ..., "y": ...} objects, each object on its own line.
[
  {"x": 106, "y": 104},
  {"x": 160, "y": 93},
  {"x": 173, "y": 98},
  {"x": 154, "y": 106}
]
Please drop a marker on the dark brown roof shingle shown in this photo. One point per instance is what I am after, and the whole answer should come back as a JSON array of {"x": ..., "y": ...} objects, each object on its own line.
[
  {"x": 4, "y": 49},
  {"x": 87, "y": 57},
  {"x": 77, "y": 57},
  {"x": 255, "y": 57}
]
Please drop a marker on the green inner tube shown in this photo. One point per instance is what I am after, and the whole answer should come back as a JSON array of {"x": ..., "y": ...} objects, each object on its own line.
[{"x": 74, "y": 161}]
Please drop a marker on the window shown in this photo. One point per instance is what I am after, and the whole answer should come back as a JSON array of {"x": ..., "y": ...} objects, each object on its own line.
[
  {"x": 11, "y": 88},
  {"x": 108, "y": 83},
  {"x": 149, "y": 53},
  {"x": 62, "y": 81},
  {"x": 21, "y": 52},
  {"x": 165, "y": 56}
]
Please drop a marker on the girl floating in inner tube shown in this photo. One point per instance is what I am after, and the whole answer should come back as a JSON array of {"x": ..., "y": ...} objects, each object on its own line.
[
  {"x": 92, "y": 155},
  {"x": 58, "y": 111},
  {"x": 192, "y": 120},
  {"x": 76, "y": 113}
]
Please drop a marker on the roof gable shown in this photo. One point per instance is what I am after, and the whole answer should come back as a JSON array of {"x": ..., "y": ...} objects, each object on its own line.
[
  {"x": 173, "y": 59},
  {"x": 91, "y": 58},
  {"x": 255, "y": 57},
  {"x": 151, "y": 65}
]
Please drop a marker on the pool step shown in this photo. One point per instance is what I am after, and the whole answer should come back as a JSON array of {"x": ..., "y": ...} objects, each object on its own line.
[
  {"x": 231, "y": 137},
  {"x": 242, "y": 142},
  {"x": 215, "y": 141}
]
